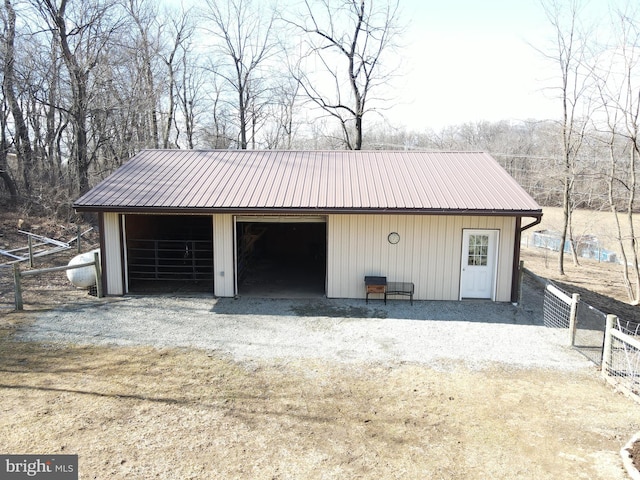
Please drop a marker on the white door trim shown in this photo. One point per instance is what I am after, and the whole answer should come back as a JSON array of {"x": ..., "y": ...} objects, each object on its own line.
[
  {"x": 492, "y": 260},
  {"x": 281, "y": 218},
  {"x": 125, "y": 255}
]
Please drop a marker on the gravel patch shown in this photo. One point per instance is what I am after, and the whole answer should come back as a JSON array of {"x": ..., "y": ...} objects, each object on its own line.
[{"x": 477, "y": 333}]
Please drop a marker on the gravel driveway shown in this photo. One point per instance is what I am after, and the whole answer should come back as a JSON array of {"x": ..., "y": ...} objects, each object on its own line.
[{"x": 475, "y": 332}]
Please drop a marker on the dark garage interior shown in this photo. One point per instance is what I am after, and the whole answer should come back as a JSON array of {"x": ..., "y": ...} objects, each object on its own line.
[
  {"x": 281, "y": 259},
  {"x": 168, "y": 253}
]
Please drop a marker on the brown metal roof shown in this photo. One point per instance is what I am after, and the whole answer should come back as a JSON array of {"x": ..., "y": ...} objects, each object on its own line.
[{"x": 273, "y": 181}]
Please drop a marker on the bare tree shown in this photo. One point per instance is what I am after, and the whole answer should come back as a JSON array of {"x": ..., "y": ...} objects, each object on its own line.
[
  {"x": 5, "y": 174},
  {"x": 82, "y": 93},
  {"x": 571, "y": 57},
  {"x": 281, "y": 131},
  {"x": 181, "y": 31},
  {"x": 190, "y": 95},
  {"x": 348, "y": 39},
  {"x": 217, "y": 135},
  {"x": 620, "y": 95},
  {"x": 615, "y": 181},
  {"x": 246, "y": 42},
  {"x": 84, "y": 32},
  {"x": 49, "y": 98},
  {"x": 22, "y": 139},
  {"x": 144, "y": 15}
]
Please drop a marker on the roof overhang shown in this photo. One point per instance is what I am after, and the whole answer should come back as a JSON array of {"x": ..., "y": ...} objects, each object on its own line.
[{"x": 307, "y": 211}]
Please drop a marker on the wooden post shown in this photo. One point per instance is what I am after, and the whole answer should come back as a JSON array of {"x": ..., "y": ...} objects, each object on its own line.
[
  {"x": 96, "y": 259},
  {"x": 573, "y": 317},
  {"x": 17, "y": 287},
  {"x": 78, "y": 240},
  {"x": 520, "y": 278},
  {"x": 606, "y": 352},
  {"x": 30, "y": 244}
]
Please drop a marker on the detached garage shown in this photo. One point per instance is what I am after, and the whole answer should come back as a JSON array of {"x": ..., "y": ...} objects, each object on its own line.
[{"x": 300, "y": 223}]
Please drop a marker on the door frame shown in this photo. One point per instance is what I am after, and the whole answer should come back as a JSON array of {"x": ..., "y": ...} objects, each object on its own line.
[
  {"x": 464, "y": 252},
  {"x": 266, "y": 218}
]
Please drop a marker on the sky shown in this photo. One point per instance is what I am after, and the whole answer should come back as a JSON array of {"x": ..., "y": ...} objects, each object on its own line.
[{"x": 472, "y": 60}]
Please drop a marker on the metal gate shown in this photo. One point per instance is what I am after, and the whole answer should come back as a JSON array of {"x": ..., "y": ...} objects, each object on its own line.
[
  {"x": 589, "y": 334},
  {"x": 587, "y": 330},
  {"x": 170, "y": 259}
]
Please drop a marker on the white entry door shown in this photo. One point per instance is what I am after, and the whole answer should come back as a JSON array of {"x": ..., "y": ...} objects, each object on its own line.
[{"x": 479, "y": 248}]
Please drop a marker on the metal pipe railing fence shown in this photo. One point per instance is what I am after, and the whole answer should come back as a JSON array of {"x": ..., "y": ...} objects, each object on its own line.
[{"x": 18, "y": 275}]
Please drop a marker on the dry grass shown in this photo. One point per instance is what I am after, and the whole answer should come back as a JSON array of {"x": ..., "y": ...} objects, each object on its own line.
[{"x": 181, "y": 414}]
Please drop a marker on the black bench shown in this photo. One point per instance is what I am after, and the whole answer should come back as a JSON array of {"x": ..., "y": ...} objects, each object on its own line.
[{"x": 399, "y": 288}]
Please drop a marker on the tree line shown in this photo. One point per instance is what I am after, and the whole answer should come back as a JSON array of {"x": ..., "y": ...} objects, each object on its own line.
[
  {"x": 598, "y": 88},
  {"x": 86, "y": 85}
]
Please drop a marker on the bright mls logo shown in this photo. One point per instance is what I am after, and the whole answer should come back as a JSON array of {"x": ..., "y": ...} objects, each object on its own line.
[{"x": 50, "y": 467}]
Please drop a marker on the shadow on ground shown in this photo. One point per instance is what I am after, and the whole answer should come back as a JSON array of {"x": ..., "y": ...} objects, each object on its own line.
[{"x": 468, "y": 310}]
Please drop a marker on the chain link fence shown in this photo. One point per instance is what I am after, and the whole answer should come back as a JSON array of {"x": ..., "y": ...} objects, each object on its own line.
[
  {"x": 609, "y": 342},
  {"x": 628, "y": 327},
  {"x": 588, "y": 338},
  {"x": 557, "y": 307},
  {"x": 621, "y": 357},
  {"x": 561, "y": 310}
]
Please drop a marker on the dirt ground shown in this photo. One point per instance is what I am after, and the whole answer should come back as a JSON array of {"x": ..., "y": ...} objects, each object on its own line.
[
  {"x": 188, "y": 414},
  {"x": 185, "y": 414},
  {"x": 599, "y": 284}
]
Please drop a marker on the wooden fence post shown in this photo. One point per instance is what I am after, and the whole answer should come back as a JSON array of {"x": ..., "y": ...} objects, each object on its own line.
[
  {"x": 573, "y": 317},
  {"x": 606, "y": 352},
  {"x": 17, "y": 287},
  {"x": 96, "y": 260}
]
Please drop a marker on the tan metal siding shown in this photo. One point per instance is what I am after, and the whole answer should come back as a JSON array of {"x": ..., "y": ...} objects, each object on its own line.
[
  {"x": 223, "y": 256},
  {"x": 428, "y": 253},
  {"x": 505, "y": 259},
  {"x": 112, "y": 256}
]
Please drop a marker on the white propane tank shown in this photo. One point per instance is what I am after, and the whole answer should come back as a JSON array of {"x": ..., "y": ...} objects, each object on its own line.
[{"x": 84, "y": 277}]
